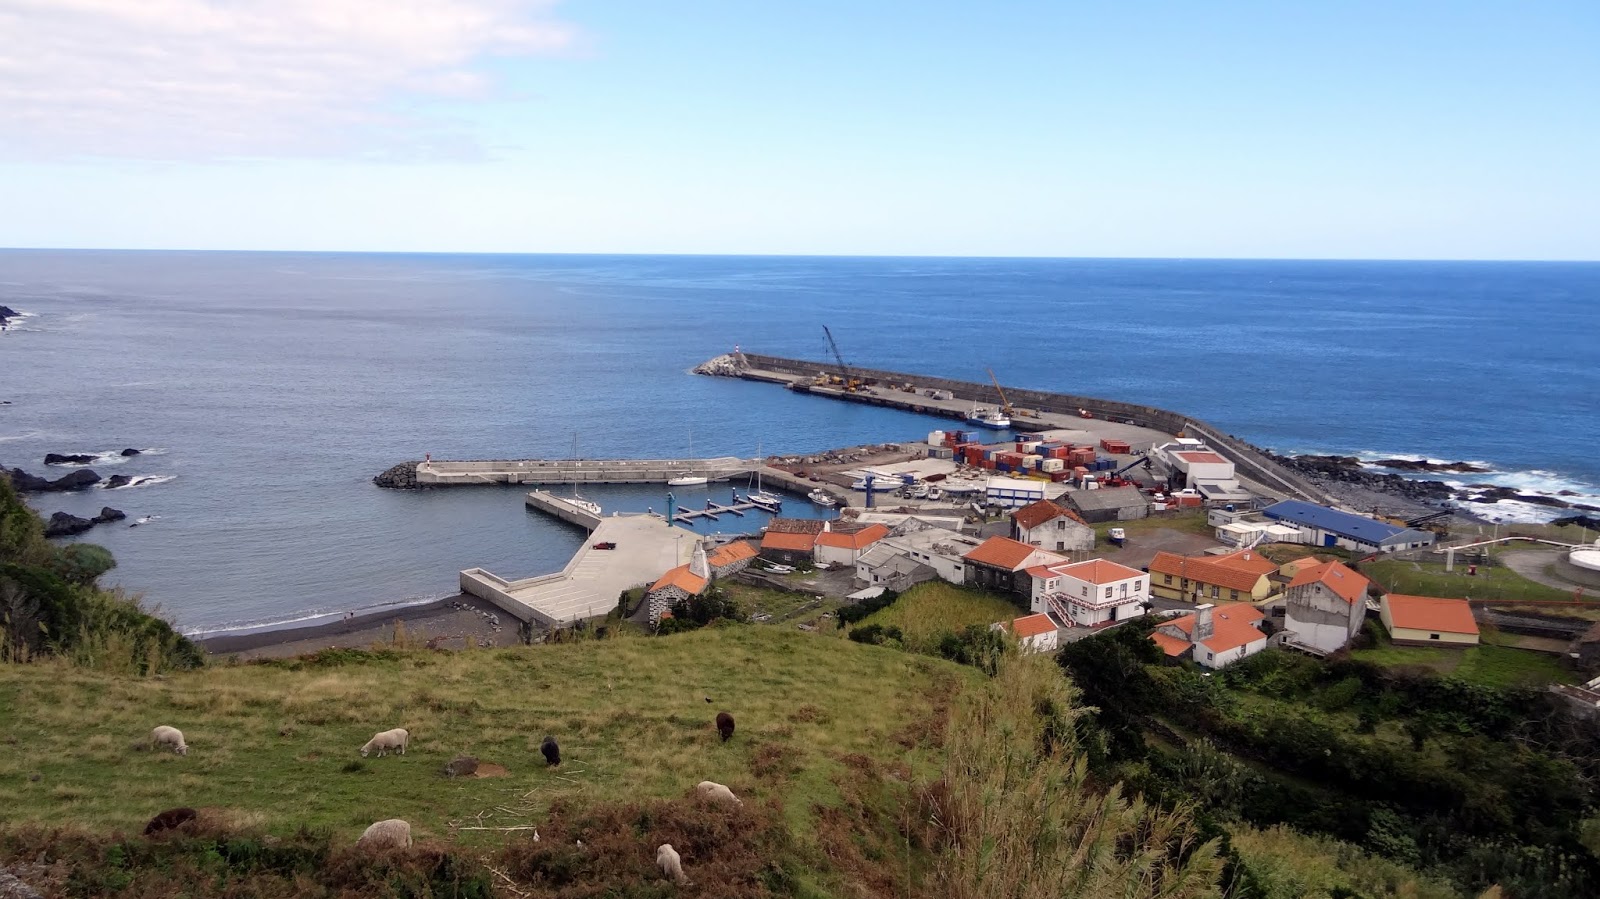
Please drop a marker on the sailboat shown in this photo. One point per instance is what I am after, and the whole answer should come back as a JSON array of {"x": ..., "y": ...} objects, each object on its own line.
[
  {"x": 771, "y": 502},
  {"x": 688, "y": 480},
  {"x": 587, "y": 505}
]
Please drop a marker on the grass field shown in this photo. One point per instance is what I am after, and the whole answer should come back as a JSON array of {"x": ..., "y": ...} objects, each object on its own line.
[
  {"x": 1490, "y": 665},
  {"x": 928, "y": 611},
  {"x": 1492, "y": 582},
  {"x": 277, "y": 744},
  {"x": 1189, "y": 521}
]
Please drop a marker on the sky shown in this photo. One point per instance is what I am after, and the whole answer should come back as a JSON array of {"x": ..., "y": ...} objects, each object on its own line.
[{"x": 1360, "y": 129}]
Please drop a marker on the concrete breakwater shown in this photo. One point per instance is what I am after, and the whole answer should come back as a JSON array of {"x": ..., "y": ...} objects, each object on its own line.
[
  {"x": 799, "y": 374},
  {"x": 439, "y": 473}
]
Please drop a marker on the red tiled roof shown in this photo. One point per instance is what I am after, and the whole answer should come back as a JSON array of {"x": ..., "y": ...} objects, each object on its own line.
[
  {"x": 1172, "y": 646},
  {"x": 1098, "y": 571},
  {"x": 1001, "y": 552},
  {"x": 1232, "y": 626},
  {"x": 1204, "y": 571},
  {"x": 861, "y": 539},
  {"x": 788, "y": 541},
  {"x": 1031, "y": 626},
  {"x": 1350, "y": 586},
  {"x": 1430, "y": 613},
  {"x": 729, "y": 553},
  {"x": 1036, "y": 513},
  {"x": 682, "y": 578},
  {"x": 1246, "y": 560},
  {"x": 796, "y": 525}
]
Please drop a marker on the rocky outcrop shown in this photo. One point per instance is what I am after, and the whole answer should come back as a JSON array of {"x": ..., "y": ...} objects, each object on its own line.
[
  {"x": 399, "y": 477},
  {"x": 130, "y": 451},
  {"x": 1496, "y": 494},
  {"x": 726, "y": 366},
  {"x": 1582, "y": 521},
  {"x": 27, "y": 483},
  {"x": 1425, "y": 465},
  {"x": 1347, "y": 469},
  {"x": 68, "y": 459},
  {"x": 63, "y": 524},
  {"x": 7, "y": 312},
  {"x": 118, "y": 480}
]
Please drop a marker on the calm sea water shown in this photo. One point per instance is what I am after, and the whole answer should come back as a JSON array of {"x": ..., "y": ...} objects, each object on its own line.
[{"x": 273, "y": 386}]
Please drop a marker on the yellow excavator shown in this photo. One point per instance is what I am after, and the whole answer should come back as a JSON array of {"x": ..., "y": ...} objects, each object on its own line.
[{"x": 1005, "y": 404}]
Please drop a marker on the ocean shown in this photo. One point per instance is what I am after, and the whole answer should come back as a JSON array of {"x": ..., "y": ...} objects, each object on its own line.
[{"x": 268, "y": 388}]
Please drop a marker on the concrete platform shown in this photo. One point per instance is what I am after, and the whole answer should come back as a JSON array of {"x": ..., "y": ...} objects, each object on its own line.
[{"x": 590, "y": 584}]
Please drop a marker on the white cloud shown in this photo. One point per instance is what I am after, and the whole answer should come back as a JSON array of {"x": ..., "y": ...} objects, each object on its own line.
[{"x": 218, "y": 79}]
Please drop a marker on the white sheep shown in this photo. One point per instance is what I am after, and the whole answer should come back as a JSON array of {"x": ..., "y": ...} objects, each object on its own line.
[
  {"x": 670, "y": 864},
  {"x": 394, "y": 833},
  {"x": 385, "y": 740},
  {"x": 713, "y": 790},
  {"x": 164, "y": 736}
]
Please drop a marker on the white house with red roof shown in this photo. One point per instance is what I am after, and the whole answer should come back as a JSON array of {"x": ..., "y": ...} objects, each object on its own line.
[
  {"x": 1049, "y": 526},
  {"x": 1034, "y": 633},
  {"x": 1089, "y": 594},
  {"x": 1002, "y": 564},
  {"x": 1214, "y": 636},
  {"x": 834, "y": 547},
  {"x": 1428, "y": 620},
  {"x": 1324, "y": 606}
]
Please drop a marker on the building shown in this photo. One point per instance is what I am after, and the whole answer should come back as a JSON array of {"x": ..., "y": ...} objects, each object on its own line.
[
  {"x": 791, "y": 541},
  {"x": 1109, "y": 504},
  {"x": 1089, "y": 594},
  {"x": 1051, "y": 526},
  {"x": 678, "y": 584},
  {"x": 834, "y": 547},
  {"x": 731, "y": 558},
  {"x": 1428, "y": 620},
  {"x": 1322, "y": 526},
  {"x": 942, "y": 550},
  {"x": 1034, "y": 633},
  {"x": 1324, "y": 607},
  {"x": 1200, "y": 465},
  {"x": 1013, "y": 493},
  {"x": 1237, "y": 577},
  {"x": 892, "y": 569},
  {"x": 1002, "y": 564},
  {"x": 1213, "y": 636}
]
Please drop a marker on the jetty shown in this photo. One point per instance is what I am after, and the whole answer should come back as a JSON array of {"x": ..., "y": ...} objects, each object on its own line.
[
  {"x": 639, "y": 547},
  {"x": 713, "y": 509},
  {"x": 440, "y": 473}
]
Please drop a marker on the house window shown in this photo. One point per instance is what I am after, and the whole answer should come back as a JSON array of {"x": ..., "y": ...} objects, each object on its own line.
[
  {"x": 1216, "y": 592},
  {"x": 1166, "y": 579},
  {"x": 1233, "y": 594},
  {"x": 1139, "y": 584},
  {"x": 1433, "y": 636},
  {"x": 1108, "y": 593},
  {"x": 1083, "y": 591}
]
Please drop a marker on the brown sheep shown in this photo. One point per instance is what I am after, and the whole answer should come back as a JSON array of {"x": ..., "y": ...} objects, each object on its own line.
[
  {"x": 725, "y": 726},
  {"x": 171, "y": 819}
]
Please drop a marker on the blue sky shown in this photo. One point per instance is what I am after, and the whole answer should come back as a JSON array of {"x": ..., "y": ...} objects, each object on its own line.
[{"x": 1343, "y": 130}]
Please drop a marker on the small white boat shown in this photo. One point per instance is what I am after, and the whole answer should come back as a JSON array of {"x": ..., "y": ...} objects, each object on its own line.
[
  {"x": 687, "y": 481},
  {"x": 989, "y": 418},
  {"x": 822, "y": 498}
]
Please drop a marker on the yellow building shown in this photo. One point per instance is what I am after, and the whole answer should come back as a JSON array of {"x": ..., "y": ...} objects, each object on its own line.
[
  {"x": 1428, "y": 621},
  {"x": 1237, "y": 577}
]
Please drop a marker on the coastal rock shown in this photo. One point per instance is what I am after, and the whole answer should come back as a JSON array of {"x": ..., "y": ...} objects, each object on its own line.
[
  {"x": 399, "y": 477},
  {"x": 1496, "y": 494},
  {"x": 1425, "y": 465},
  {"x": 130, "y": 451},
  {"x": 27, "y": 483},
  {"x": 63, "y": 524},
  {"x": 1582, "y": 521},
  {"x": 118, "y": 480},
  {"x": 108, "y": 515},
  {"x": 68, "y": 459},
  {"x": 726, "y": 365}
]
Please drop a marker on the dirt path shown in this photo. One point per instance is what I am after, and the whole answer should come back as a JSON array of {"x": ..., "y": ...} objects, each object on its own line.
[{"x": 1534, "y": 564}]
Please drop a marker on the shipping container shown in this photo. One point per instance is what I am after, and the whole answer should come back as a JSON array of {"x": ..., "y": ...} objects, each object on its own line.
[
  {"x": 1052, "y": 465},
  {"x": 1115, "y": 446}
]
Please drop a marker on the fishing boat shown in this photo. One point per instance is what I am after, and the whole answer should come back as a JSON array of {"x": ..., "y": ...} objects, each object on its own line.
[
  {"x": 822, "y": 498},
  {"x": 989, "y": 418}
]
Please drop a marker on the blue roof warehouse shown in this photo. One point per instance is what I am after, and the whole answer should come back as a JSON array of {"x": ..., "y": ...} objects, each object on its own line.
[{"x": 1331, "y": 527}]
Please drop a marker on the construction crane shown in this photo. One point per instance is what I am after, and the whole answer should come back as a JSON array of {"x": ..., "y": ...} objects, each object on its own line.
[
  {"x": 1005, "y": 404},
  {"x": 850, "y": 381}
]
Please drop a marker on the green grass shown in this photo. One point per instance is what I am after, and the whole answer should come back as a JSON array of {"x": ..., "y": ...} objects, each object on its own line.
[
  {"x": 928, "y": 611},
  {"x": 1189, "y": 521},
  {"x": 1493, "y": 666},
  {"x": 278, "y": 747},
  {"x": 1492, "y": 583},
  {"x": 781, "y": 606}
]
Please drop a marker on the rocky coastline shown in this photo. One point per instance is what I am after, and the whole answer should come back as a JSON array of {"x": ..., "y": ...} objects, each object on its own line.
[
  {"x": 63, "y": 524},
  {"x": 28, "y": 483},
  {"x": 399, "y": 477},
  {"x": 6, "y": 312},
  {"x": 1350, "y": 481}
]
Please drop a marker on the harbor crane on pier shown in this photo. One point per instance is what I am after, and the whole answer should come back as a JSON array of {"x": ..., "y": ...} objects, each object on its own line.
[{"x": 849, "y": 381}]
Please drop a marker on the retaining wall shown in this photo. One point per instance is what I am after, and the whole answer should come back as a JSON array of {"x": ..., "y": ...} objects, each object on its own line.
[{"x": 585, "y": 471}]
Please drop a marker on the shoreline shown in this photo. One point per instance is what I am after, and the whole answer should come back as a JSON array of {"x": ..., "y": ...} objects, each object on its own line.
[{"x": 447, "y": 623}]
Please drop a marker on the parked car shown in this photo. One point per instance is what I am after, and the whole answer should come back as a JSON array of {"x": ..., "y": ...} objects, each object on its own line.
[{"x": 605, "y": 544}]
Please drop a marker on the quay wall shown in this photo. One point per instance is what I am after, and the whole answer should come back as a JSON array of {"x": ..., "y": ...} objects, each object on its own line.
[
  {"x": 1247, "y": 460},
  {"x": 560, "y": 508},
  {"x": 584, "y": 471}
]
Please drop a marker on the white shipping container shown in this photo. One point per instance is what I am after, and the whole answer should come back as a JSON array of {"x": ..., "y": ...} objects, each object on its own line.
[
  {"x": 935, "y": 438},
  {"x": 1052, "y": 465}
]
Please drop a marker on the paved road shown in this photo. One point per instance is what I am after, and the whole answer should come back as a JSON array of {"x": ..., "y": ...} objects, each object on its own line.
[{"x": 1534, "y": 564}]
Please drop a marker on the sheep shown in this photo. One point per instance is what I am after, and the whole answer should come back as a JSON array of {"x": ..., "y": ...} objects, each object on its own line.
[
  {"x": 725, "y": 726},
  {"x": 393, "y": 833},
  {"x": 165, "y": 736},
  {"x": 385, "y": 740},
  {"x": 171, "y": 819},
  {"x": 713, "y": 790},
  {"x": 670, "y": 864},
  {"x": 551, "y": 750}
]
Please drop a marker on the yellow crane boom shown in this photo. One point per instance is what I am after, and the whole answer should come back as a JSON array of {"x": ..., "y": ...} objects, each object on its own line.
[{"x": 1005, "y": 404}]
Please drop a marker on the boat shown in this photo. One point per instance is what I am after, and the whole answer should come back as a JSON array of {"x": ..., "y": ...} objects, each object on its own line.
[
  {"x": 689, "y": 480},
  {"x": 988, "y": 418},
  {"x": 587, "y": 505},
  {"x": 822, "y": 498},
  {"x": 761, "y": 497}
]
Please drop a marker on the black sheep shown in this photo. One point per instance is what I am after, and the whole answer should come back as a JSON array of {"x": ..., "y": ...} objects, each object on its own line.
[
  {"x": 171, "y": 819},
  {"x": 551, "y": 750},
  {"x": 725, "y": 725}
]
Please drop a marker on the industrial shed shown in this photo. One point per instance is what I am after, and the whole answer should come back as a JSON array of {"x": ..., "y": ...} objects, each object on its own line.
[{"x": 1109, "y": 504}]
